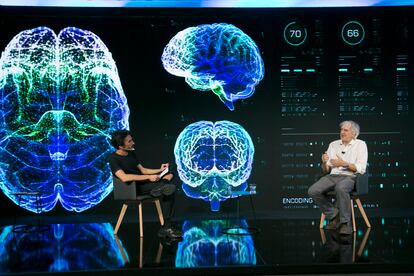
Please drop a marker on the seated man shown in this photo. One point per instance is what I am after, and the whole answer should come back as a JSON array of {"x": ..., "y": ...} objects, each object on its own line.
[
  {"x": 344, "y": 158},
  {"x": 126, "y": 166}
]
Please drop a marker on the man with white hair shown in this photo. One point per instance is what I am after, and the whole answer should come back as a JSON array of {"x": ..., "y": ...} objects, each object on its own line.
[{"x": 343, "y": 159}]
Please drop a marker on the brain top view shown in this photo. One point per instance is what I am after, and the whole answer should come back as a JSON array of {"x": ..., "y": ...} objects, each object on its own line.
[
  {"x": 216, "y": 57},
  {"x": 204, "y": 244},
  {"x": 60, "y": 98},
  {"x": 213, "y": 159}
]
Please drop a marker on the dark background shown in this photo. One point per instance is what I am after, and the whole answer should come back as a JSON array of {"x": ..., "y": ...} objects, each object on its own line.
[{"x": 162, "y": 105}]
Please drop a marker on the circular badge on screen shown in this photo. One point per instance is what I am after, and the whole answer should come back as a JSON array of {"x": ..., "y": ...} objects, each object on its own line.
[
  {"x": 295, "y": 33},
  {"x": 353, "y": 33}
]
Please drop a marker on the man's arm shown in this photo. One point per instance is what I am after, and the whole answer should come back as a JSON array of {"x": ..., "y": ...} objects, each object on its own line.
[
  {"x": 362, "y": 158},
  {"x": 144, "y": 170},
  {"x": 135, "y": 177},
  {"x": 325, "y": 166},
  {"x": 351, "y": 167},
  {"x": 361, "y": 161},
  {"x": 339, "y": 162}
]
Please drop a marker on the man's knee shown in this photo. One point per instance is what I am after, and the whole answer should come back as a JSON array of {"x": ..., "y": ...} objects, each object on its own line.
[
  {"x": 169, "y": 189},
  {"x": 341, "y": 189},
  {"x": 312, "y": 191},
  {"x": 344, "y": 187},
  {"x": 168, "y": 177}
]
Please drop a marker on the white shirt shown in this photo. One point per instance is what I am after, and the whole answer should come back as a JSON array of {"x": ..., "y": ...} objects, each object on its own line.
[{"x": 355, "y": 152}]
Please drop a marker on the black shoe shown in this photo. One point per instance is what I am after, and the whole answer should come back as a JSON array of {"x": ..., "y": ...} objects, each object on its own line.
[
  {"x": 170, "y": 245},
  {"x": 170, "y": 233},
  {"x": 345, "y": 228},
  {"x": 333, "y": 223},
  {"x": 165, "y": 189},
  {"x": 168, "y": 189},
  {"x": 156, "y": 192},
  {"x": 345, "y": 239}
]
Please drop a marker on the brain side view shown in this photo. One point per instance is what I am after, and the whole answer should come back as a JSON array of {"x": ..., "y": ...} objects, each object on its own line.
[
  {"x": 216, "y": 57},
  {"x": 204, "y": 244},
  {"x": 60, "y": 97},
  {"x": 213, "y": 159}
]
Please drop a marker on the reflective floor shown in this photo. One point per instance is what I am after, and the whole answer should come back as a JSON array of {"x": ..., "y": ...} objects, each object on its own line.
[{"x": 210, "y": 247}]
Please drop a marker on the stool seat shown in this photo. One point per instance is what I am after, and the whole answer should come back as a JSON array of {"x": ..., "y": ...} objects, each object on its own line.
[{"x": 144, "y": 197}]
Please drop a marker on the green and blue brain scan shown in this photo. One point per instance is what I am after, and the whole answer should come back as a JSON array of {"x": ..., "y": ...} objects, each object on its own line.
[
  {"x": 214, "y": 160},
  {"x": 216, "y": 57},
  {"x": 60, "y": 98},
  {"x": 204, "y": 244}
]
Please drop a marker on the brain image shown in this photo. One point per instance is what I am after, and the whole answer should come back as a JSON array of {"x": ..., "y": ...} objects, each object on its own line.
[
  {"x": 204, "y": 244},
  {"x": 216, "y": 57},
  {"x": 60, "y": 98},
  {"x": 213, "y": 160},
  {"x": 66, "y": 247}
]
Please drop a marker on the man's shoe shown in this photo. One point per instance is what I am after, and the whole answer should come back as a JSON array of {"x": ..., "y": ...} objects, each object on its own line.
[
  {"x": 345, "y": 229},
  {"x": 164, "y": 189},
  {"x": 333, "y": 223},
  {"x": 170, "y": 233},
  {"x": 156, "y": 192},
  {"x": 170, "y": 245},
  {"x": 168, "y": 189}
]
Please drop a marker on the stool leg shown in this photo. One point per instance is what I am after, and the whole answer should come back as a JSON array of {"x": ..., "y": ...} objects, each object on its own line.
[
  {"x": 361, "y": 209},
  {"x": 353, "y": 246},
  {"x": 363, "y": 242},
  {"x": 141, "y": 228},
  {"x": 353, "y": 216},
  {"x": 323, "y": 236},
  {"x": 322, "y": 220},
  {"x": 159, "y": 210},
  {"x": 141, "y": 252},
  {"x": 120, "y": 218},
  {"x": 252, "y": 205},
  {"x": 159, "y": 253},
  {"x": 121, "y": 249}
]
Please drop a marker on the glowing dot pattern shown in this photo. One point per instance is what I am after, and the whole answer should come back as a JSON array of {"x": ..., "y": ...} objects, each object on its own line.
[
  {"x": 66, "y": 247},
  {"x": 213, "y": 160},
  {"x": 204, "y": 245},
  {"x": 217, "y": 57},
  {"x": 60, "y": 98}
]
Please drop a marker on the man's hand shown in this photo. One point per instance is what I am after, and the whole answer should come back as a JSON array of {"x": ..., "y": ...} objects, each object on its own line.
[
  {"x": 325, "y": 157},
  {"x": 164, "y": 166},
  {"x": 339, "y": 162},
  {"x": 153, "y": 178}
]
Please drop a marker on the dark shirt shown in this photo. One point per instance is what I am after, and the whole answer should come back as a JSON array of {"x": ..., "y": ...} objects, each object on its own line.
[{"x": 128, "y": 163}]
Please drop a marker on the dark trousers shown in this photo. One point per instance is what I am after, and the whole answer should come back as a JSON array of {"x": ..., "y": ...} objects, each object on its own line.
[{"x": 343, "y": 186}]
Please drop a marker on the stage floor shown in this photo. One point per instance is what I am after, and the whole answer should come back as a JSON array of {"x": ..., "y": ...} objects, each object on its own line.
[{"x": 295, "y": 246}]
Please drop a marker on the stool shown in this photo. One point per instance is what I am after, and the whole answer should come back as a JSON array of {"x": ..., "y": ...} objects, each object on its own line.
[{"x": 242, "y": 230}]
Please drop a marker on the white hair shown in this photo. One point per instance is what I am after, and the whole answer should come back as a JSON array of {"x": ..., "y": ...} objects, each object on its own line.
[{"x": 354, "y": 127}]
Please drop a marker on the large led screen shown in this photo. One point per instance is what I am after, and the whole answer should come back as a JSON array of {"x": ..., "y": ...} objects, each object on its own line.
[{"x": 234, "y": 97}]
